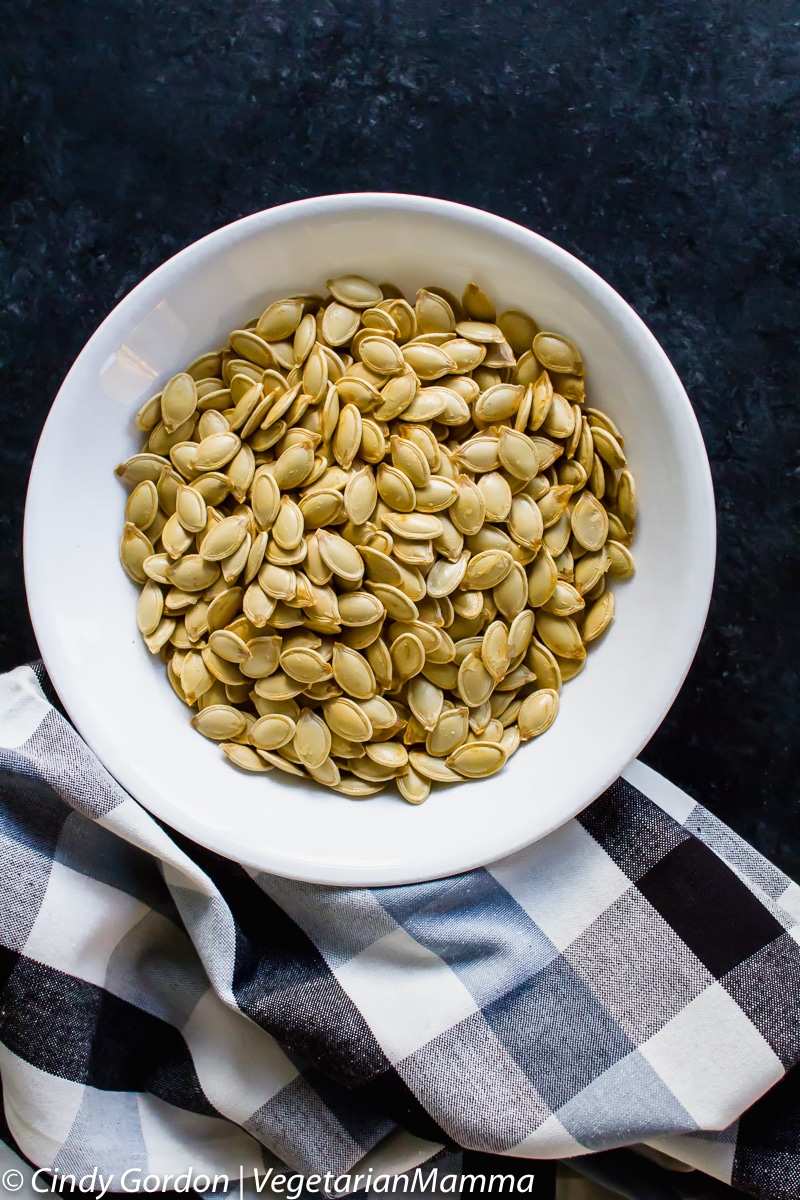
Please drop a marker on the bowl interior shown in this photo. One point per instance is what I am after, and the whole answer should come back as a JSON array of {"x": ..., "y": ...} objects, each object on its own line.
[{"x": 83, "y": 606}]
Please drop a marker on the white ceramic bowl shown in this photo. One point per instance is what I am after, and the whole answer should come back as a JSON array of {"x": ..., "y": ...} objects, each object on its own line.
[{"x": 82, "y": 604}]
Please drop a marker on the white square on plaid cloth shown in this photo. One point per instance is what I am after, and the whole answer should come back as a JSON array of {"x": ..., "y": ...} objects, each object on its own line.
[
  {"x": 24, "y": 870},
  {"x": 80, "y": 923},
  {"x": 563, "y": 882},
  {"x": 22, "y": 707},
  {"x": 106, "y": 1134},
  {"x": 789, "y": 900},
  {"x": 176, "y": 1139},
  {"x": 550, "y": 1140},
  {"x": 405, "y": 992},
  {"x": 660, "y": 790},
  {"x": 40, "y": 1108},
  {"x": 712, "y": 1058},
  {"x": 239, "y": 1066}
]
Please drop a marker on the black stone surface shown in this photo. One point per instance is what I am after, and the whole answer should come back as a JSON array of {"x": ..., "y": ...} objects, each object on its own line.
[{"x": 656, "y": 141}]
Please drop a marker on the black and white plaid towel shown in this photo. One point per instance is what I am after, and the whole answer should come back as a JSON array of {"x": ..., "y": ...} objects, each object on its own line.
[{"x": 633, "y": 978}]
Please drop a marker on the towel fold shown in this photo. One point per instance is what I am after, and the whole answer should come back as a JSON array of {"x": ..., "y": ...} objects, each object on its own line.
[{"x": 632, "y": 978}]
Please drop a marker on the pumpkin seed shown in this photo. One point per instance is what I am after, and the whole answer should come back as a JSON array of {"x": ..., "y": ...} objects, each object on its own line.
[
  {"x": 294, "y": 466},
  {"x": 407, "y": 655},
  {"x": 545, "y": 666},
  {"x": 355, "y": 291},
  {"x": 215, "y": 450},
  {"x": 517, "y": 454},
  {"x": 142, "y": 505},
  {"x": 245, "y": 758},
  {"x": 219, "y": 722},
  {"x": 557, "y": 353},
  {"x": 476, "y": 760},
  {"x": 475, "y": 681},
  {"x": 598, "y": 617},
  {"x": 480, "y": 454},
  {"x": 277, "y": 759},
  {"x": 280, "y": 320},
  {"x": 223, "y": 539},
  {"x": 224, "y": 606},
  {"x": 178, "y": 401},
  {"x": 553, "y": 504},
  {"x": 427, "y": 361},
  {"x": 134, "y": 548},
  {"x": 525, "y": 523},
  {"x": 409, "y": 459},
  {"x": 518, "y": 329},
  {"x": 438, "y": 494},
  {"x": 477, "y": 304},
  {"x": 620, "y": 560},
  {"x": 591, "y": 567},
  {"x": 480, "y": 331},
  {"x": 305, "y": 665},
  {"x": 381, "y": 354},
  {"x": 357, "y": 789},
  {"x": 380, "y": 713},
  {"x": 149, "y": 608},
  {"x": 560, "y": 419},
  {"x": 312, "y": 741},
  {"x": 444, "y": 577},
  {"x": 263, "y": 659},
  {"x": 589, "y": 522},
  {"x": 414, "y": 526},
  {"x": 342, "y": 558},
  {"x": 511, "y": 594},
  {"x": 496, "y": 496},
  {"x": 229, "y": 645},
  {"x": 191, "y": 509},
  {"x": 495, "y": 650},
  {"x": 360, "y": 496},
  {"x": 559, "y": 634},
  {"x": 272, "y": 731},
  {"x": 450, "y": 731},
  {"x": 564, "y": 601},
  {"x": 397, "y": 603},
  {"x": 396, "y": 489},
  {"x": 257, "y": 606},
  {"x": 626, "y": 501},
  {"x": 353, "y": 673},
  {"x": 487, "y": 568},
  {"x": 425, "y": 700},
  {"x": 432, "y": 768},
  {"x": 537, "y": 713},
  {"x": 609, "y": 449},
  {"x": 556, "y": 537},
  {"x": 345, "y": 718},
  {"x": 413, "y": 787}
]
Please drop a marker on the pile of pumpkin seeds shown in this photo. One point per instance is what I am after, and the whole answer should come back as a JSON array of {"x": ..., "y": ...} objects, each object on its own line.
[{"x": 374, "y": 538}]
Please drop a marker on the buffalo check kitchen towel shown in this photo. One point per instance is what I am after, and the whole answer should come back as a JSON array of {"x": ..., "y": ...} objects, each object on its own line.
[{"x": 632, "y": 978}]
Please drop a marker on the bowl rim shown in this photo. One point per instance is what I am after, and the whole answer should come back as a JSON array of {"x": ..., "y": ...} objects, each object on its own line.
[{"x": 125, "y": 315}]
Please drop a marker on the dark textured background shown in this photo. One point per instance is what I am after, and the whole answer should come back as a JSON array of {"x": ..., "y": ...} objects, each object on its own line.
[{"x": 657, "y": 141}]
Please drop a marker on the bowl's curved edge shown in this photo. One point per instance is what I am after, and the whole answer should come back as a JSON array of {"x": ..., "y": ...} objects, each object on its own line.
[{"x": 126, "y": 311}]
